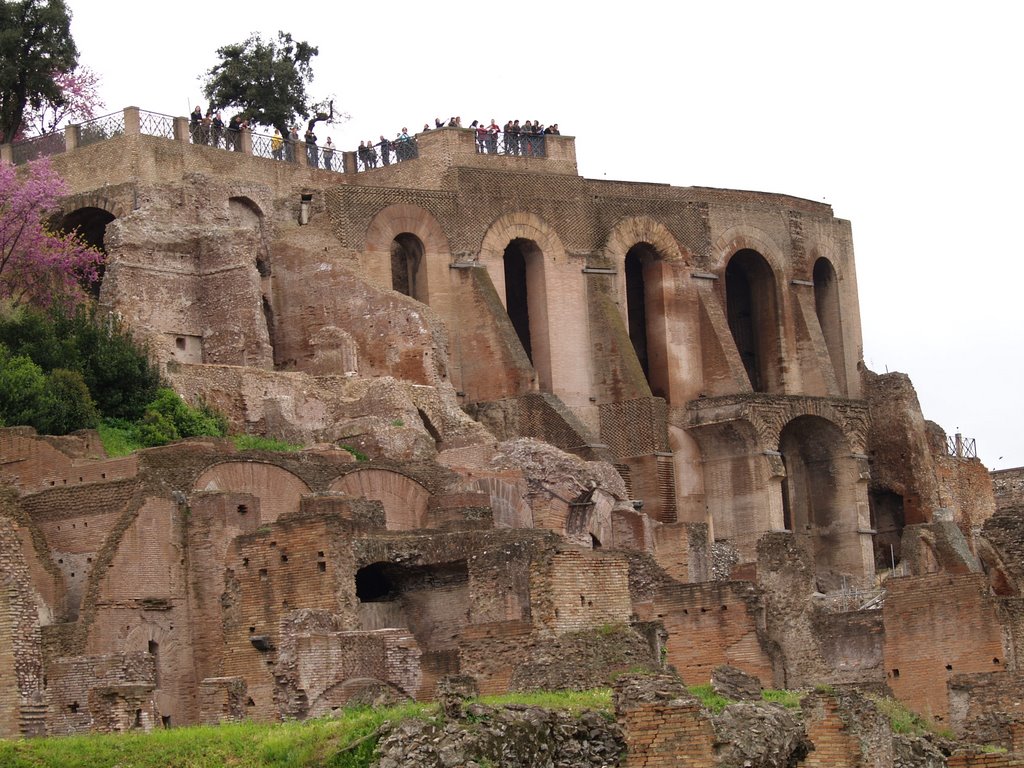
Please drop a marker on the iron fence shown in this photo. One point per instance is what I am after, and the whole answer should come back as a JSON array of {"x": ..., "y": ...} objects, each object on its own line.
[
  {"x": 155, "y": 124},
  {"x": 330, "y": 159},
  {"x": 101, "y": 129},
  {"x": 961, "y": 447},
  {"x": 39, "y": 146},
  {"x": 517, "y": 144},
  {"x": 385, "y": 153}
]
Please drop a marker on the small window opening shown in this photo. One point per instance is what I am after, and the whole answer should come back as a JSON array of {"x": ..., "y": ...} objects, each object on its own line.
[{"x": 242, "y": 509}]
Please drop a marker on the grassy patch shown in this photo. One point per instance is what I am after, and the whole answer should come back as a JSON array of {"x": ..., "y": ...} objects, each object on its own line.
[
  {"x": 573, "y": 701},
  {"x": 708, "y": 698},
  {"x": 330, "y": 742},
  {"x": 788, "y": 699},
  {"x": 902, "y": 720},
  {"x": 119, "y": 437},
  {"x": 360, "y": 456},
  {"x": 259, "y": 443}
]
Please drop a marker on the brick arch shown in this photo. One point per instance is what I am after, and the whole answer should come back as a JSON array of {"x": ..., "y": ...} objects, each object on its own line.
[
  {"x": 643, "y": 229},
  {"x": 397, "y": 219},
  {"x": 520, "y": 225},
  {"x": 118, "y": 208},
  {"x": 248, "y": 204},
  {"x": 404, "y": 499},
  {"x": 743, "y": 237},
  {"x": 277, "y": 489}
]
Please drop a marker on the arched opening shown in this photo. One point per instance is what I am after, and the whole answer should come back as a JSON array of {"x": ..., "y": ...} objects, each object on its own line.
[
  {"x": 645, "y": 314},
  {"x": 819, "y": 496},
  {"x": 90, "y": 224},
  {"x": 517, "y": 302},
  {"x": 753, "y": 318},
  {"x": 887, "y": 521},
  {"x": 154, "y": 650},
  {"x": 826, "y": 306},
  {"x": 407, "y": 276}
]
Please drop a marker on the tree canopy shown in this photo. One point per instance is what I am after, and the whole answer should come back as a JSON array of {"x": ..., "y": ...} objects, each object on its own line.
[
  {"x": 39, "y": 266},
  {"x": 265, "y": 79},
  {"x": 35, "y": 48}
]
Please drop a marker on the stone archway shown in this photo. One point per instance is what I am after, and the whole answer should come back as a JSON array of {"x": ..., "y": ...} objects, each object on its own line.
[
  {"x": 752, "y": 310},
  {"x": 404, "y": 499},
  {"x": 278, "y": 490},
  {"x": 90, "y": 224},
  {"x": 827, "y": 307},
  {"x": 820, "y": 502},
  {"x": 406, "y": 250}
]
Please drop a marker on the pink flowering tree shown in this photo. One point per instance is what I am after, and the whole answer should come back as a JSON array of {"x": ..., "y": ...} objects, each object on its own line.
[
  {"x": 80, "y": 101},
  {"x": 37, "y": 265}
]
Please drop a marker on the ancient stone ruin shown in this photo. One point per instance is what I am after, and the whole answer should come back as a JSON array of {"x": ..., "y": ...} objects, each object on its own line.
[{"x": 559, "y": 430}]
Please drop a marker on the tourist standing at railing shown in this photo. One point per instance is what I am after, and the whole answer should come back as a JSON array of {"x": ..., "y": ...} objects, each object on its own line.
[
  {"x": 481, "y": 135},
  {"x": 234, "y": 135},
  {"x": 403, "y": 150},
  {"x": 216, "y": 129},
  {"x": 195, "y": 124},
  {"x": 328, "y": 153},
  {"x": 385, "y": 151},
  {"x": 276, "y": 145},
  {"x": 492, "y": 137},
  {"x": 517, "y": 137},
  {"x": 312, "y": 153},
  {"x": 371, "y": 154},
  {"x": 291, "y": 143}
]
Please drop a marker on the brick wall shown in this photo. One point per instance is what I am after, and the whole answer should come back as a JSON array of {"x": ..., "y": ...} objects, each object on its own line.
[
  {"x": 985, "y": 707},
  {"x": 952, "y": 617},
  {"x": 710, "y": 624},
  {"x": 676, "y": 735},
  {"x": 1008, "y": 486},
  {"x": 71, "y": 682},
  {"x": 33, "y": 464}
]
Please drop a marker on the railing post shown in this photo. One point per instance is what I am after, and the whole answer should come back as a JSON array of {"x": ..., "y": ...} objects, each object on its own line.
[
  {"x": 300, "y": 153},
  {"x": 181, "y": 129},
  {"x": 246, "y": 141},
  {"x": 349, "y": 162},
  {"x": 132, "y": 125},
  {"x": 70, "y": 138},
  {"x": 6, "y": 154}
]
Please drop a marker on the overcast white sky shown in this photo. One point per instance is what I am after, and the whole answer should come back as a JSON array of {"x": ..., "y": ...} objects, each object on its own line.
[{"x": 904, "y": 116}]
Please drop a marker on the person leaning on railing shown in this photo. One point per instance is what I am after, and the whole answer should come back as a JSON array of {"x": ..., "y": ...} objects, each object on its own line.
[{"x": 276, "y": 145}]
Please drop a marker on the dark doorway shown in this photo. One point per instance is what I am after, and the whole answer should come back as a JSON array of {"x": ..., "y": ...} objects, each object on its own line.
[
  {"x": 887, "y": 521},
  {"x": 516, "y": 297},
  {"x": 406, "y": 266},
  {"x": 753, "y": 319},
  {"x": 90, "y": 224},
  {"x": 644, "y": 311},
  {"x": 826, "y": 306}
]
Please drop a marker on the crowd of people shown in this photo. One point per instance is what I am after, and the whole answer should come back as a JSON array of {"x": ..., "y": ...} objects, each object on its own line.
[{"x": 514, "y": 138}]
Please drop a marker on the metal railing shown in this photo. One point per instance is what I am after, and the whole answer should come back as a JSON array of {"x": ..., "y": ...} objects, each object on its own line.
[
  {"x": 101, "y": 129},
  {"x": 155, "y": 124},
  {"x": 381, "y": 154},
  {"x": 961, "y": 447},
  {"x": 39, "y": 146}
]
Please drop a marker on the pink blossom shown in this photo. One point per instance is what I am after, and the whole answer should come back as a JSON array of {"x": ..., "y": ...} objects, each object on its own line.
[{"x": 38, "y": 265}]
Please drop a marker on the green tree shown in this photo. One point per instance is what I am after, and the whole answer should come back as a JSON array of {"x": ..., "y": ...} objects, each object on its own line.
[
  {"x": 22, "y": 389},
  {"x": 66, "y": 405},
  {"x": 265, "y": 79},
  {"x": 35, "y": 48}
]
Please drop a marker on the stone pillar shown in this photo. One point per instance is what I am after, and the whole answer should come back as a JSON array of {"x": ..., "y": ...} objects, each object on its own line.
[
  {"x": 349, "y": 163},
  {"x": 131, "y": 121},
  {"x": 70, "y": 138},
  {"x": 6, "y": 154},
  {"x": 246, "y": 142},
  {"x": 181, "y": 129}
]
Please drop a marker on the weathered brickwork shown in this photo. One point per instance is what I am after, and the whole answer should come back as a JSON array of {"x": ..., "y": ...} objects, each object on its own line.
[{"x": 955, "y": 619}]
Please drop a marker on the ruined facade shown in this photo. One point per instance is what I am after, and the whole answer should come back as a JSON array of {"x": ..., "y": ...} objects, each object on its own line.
[{"x": 604, "y": 424}]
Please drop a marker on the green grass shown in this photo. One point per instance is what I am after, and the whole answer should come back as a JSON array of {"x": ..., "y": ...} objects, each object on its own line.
[
  {"x": 708, "y": 698},
  {"x": 359, "y": 455},
  {"x": 599, "y": 699},
  {"x": 259, "y": 443},
  {"x": 312, "y": 743},
  {"x": 788, "y": 699},
  {"x": 902, "y": 720},
  {"x": 119, "y": 437}
]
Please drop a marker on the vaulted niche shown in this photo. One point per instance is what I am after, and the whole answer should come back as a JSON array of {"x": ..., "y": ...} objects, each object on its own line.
[
  {"x": 526, "y": 304},
  {"x": 428, "y": 600},
  {"x": 90, "y": 224},
  {"x": 517, "y": 302},
  {"x": 819, "y": 495},
  {"x": 887, "y": 521},
  {"x": 826, "y": 306},
  {"x": 753, "y": 318},
  {"x": 645, "y": 314},
  {"x": 407, "y": 267}
]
